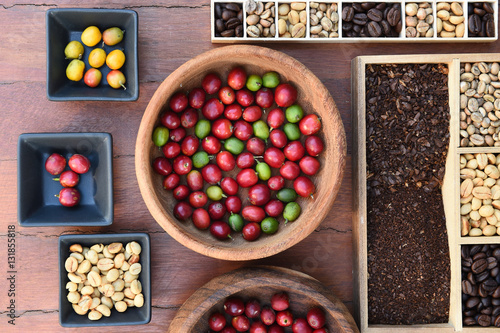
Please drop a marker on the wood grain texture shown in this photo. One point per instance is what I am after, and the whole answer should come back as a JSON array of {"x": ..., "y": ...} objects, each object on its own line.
[
  {"x": 312, "y": 96},
  {"x": 170, "y": 33},
  {"x": 261, "y": 282}
]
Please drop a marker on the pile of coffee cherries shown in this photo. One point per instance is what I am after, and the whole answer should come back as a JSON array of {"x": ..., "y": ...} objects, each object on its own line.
[
  {"x": 55, "y": 164},
  {"x": 254, "y": 318},
  {"x": 247, "y": 141}
]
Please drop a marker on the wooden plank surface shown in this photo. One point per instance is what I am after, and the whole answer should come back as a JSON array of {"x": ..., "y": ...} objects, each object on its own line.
[{"x": 170, "y": 33}]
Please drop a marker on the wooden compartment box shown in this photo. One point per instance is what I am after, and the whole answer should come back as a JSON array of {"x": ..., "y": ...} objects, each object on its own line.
[
  {"x": 450, "y": 190},
  {"x": 342, "y": 37}
]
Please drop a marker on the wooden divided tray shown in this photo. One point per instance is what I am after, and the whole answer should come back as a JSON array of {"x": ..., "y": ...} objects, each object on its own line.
[
  {"x": 342, "y": 37},
  {"x": 450, "y": 190}
]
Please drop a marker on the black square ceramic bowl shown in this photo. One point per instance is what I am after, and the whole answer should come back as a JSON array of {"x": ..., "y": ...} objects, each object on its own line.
[
  {"x": 67, "y": 24},
  {"x": 37, "y": 204},
  {"x": 132, "y": 316}
]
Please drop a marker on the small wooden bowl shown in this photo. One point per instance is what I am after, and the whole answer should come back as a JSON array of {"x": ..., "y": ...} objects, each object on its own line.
[
  {"x": 262, "y": 282},
  {"x": 312, "y": 96}
]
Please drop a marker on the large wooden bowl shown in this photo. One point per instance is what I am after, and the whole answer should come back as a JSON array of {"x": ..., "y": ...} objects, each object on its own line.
[
  {"x": 312, "y": 96},
  {"x": 262, "y": 282}
]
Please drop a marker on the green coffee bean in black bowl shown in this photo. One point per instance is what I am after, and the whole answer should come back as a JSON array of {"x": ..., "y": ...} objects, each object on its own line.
[{"x": 371, "y": 19}]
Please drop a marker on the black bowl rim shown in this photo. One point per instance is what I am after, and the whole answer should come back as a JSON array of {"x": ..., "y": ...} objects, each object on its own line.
[
  {"x": 109, "y": 158},
  {"x": 146, "y": 246},
  {"x": 135, "y": 93}
]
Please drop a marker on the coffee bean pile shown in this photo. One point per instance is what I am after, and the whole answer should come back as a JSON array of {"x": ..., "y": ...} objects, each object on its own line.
[
  {"x": 371, "y": 19},
  {"x": 481, "y": 19},
  {"x": 481, "y": 285}
]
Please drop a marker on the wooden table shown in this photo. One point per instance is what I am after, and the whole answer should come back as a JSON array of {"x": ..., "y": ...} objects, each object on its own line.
[{"x": 170, "y": 33}]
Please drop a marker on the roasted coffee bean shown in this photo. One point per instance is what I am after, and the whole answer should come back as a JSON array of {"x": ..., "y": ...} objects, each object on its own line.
[
  {"x": 239, "y": 31},
  {"x": 218, "y": 10},
  {"x": 486, "y": 301},
  {"x": 487, "y": 311},
  {"x": 469, "y": 321},
  {"x": 232, "y": 23},
  {"x": 494, "y": 271},
  {"x": 394, "y": 16},
  {"x": 471, "y": 278},
  {"x": 466, "y": 287},
  {"x": 367, "y": 5},
  {"x": 480, "y": 255},
  {"x": 482, "y": 276},
  {"x": 496, "y": 292},
  {"x": 232, "y": 6},
  {"x": 479, "y": 11},
  {"x": 227, "y": 33},
  {"x": 488, "y": 7},
  {"x": 375, "y": 15},
  {"x": 496, "y": 309},
  {"x": 465, "y": 252},
  {"x": 374, "y": 29},
  {"x": 360, "y": 19},
  {"x": 386, "y": 27},
  {"x": 495, "y": 302},
  {"x": 496, "y": 322},
  {"x": 219, "y": 25},
  {"x": 347, "y": 14},
  {"x": 484, "y": 320},
  {"x": 492, "y": 262},
  {"x": 489, "y": 285},
  {"x": 347, "y": 26},
  {"x": 474, "y": 24},
  {"x": 227, "y": 14},
  {"x": 472, "y": 302},
  {"x": 475, "y": 249},
  {"x": 490, "y": 28},
  {"x": 357, "y": 7}
]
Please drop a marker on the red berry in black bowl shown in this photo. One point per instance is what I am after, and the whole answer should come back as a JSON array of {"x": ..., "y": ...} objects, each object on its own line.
[
  {"x": 79, "y": 163},
  {"x": 55, "y": 164},
  {"x": 69, "y": 197},
  {"x": 68, "y": 178}
]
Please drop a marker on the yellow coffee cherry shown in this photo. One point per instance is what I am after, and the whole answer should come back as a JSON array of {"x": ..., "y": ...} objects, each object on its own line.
[
  {"x": 112, "y": 36},
  {"x": 74, "y": 50},
  {"x": 115, "y": 59},
  {"x": 97, "y": 58},
  {"x": 91, "y": 36},
  {"x": 75, "y": 70}
]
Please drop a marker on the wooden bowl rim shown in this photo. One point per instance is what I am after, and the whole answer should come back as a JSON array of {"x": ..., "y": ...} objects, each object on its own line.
[
  {"x": 252, "y": 250},
  {"x": 192, "y": 310}
]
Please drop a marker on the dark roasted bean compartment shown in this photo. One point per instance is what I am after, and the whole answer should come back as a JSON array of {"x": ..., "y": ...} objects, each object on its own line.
[
  {"x": 371, "y": 19},
  {"x": 481, "y": 285}
]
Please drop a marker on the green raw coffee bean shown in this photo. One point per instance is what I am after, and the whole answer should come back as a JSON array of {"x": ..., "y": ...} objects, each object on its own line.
[
  {"x": 263, "y": 170},
  {"x": 200, "y": 159},
  {"x": 269, "y": 225},
  {"x": 202, "y": 128},
  {"x": 291, "y": 212},
  {"x": 160, "y": 136},
  {"x": 292, "y": 131},
  {"x": 270, "y": 80},
  {"x": 260, "y": 129},
  {"x": 214, "y": 193},
  {"x": 234, "y": 146},
  {"x": 286, "y": 195},
  {"x": 294, "y": 113},
  {"x": 236, "y": 222}
]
